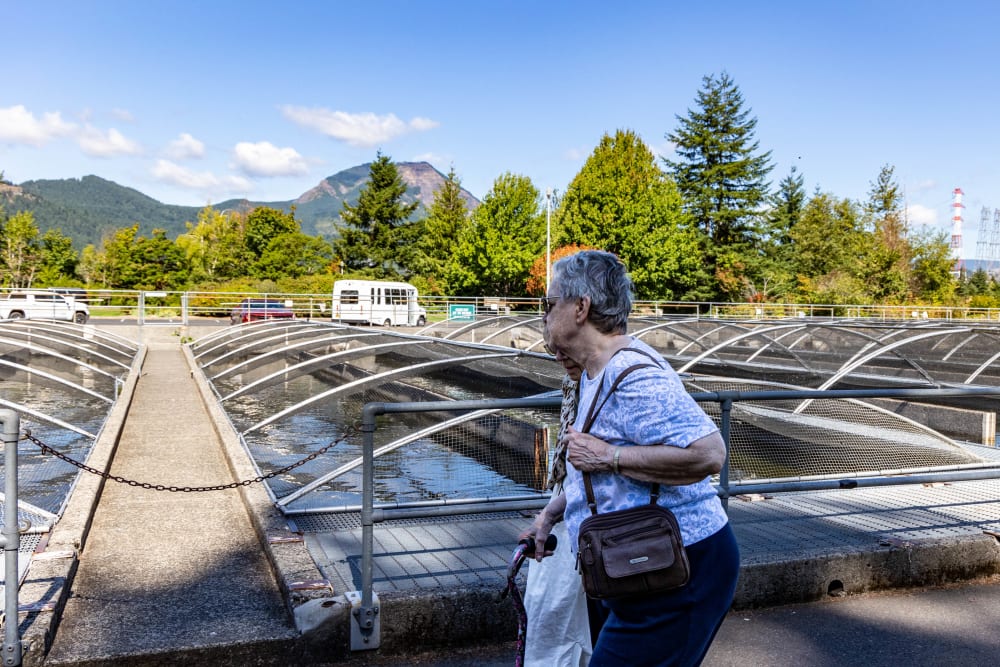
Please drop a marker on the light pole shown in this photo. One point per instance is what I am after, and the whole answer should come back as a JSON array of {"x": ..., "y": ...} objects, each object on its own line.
[{"x": 548, "y": 238}]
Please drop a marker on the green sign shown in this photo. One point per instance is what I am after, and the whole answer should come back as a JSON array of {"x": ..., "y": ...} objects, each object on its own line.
[{"x": 463, "y": 312}]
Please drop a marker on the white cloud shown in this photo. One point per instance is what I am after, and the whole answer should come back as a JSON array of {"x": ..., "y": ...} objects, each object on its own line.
[
  {"x": 359, "y": 129},
  {"x": 123, "y": 115},
  {"x": 918, "y": 214},
  {"x": 924, "y": 186},
  {"x": 265, "y": 159},
  {"x": 106, "y": 143},
  {"x": 185, "y": 147},
  {"x": 19, "y": 126},
  {"x": 432, "y": 158},
  {"x": 174, "y": 174},
  {"x": 577, "y": 154}
]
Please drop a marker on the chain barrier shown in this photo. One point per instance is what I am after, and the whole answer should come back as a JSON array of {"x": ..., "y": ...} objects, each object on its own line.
[{"x": 180, "y": 489}]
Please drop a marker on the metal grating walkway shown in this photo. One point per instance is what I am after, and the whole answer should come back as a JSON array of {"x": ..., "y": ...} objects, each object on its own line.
[{"x": 470, "y": 551}]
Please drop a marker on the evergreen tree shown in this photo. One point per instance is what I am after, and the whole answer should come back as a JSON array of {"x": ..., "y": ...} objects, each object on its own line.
[
  {"x": 620, "y": 201},
  {"x": 438, "y": 233},
  {"x": 505, "y": 235},
  {"x": 720, "y": 173},
  {"x": 887, "y": 256},
  {"x": 771, "y": 274},
  {"x": 375, "y": 235},
  {"x": 786, "y": 209}
]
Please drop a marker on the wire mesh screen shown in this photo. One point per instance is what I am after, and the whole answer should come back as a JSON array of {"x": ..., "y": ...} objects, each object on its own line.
[
  {"x": 796, "y": 438},
  {"x": 420, "y": 457},
  {"x": 291, "y": 394}
]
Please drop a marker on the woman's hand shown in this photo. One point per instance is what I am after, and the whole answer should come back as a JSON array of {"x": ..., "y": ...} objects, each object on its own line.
[
  {"x": 540, "y": 528},
  {"x": 664, "y": 464},
  {"x": 588, "y": 453}
]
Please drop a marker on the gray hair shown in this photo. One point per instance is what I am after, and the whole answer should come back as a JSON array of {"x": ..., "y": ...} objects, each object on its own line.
[{"x": 601, "y": 276}]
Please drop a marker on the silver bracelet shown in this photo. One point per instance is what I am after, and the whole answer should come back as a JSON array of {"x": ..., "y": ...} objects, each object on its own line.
[{"x": 614, "y": 460}]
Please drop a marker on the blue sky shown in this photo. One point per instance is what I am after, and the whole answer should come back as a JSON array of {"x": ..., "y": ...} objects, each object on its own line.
[{"x": 198, "y": 102}]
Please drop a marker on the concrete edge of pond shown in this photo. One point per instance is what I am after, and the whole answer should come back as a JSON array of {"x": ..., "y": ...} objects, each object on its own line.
[{"x": 44, "y": 592}]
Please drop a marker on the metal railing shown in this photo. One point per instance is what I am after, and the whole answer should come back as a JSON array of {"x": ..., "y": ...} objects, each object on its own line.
[
  {"x": 10, "y": 538},
  {"x": 153, "y": 305},
  {"x": 365, "y": 627}
]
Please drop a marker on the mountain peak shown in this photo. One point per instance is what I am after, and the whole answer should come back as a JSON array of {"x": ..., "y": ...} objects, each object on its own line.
[{"x": 87, "y": 208}]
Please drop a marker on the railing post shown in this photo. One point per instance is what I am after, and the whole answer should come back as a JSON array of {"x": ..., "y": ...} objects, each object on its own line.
[
  {"x": 365, "y": 626},
  {"x": 726, "y": 406},
  {"x": 11, "y": 539}
]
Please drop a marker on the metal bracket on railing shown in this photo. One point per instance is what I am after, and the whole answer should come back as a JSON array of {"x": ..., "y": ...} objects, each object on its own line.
[{"x": 366, "y": 626}]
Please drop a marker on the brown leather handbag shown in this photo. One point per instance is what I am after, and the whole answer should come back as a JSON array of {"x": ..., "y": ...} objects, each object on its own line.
[{"x": 632, "y": 552}]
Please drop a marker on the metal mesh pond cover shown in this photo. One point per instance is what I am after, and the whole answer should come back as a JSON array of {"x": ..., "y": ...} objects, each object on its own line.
[
  {"x": 62, "y": 381},
  {"x": 792, "y": 438},
  {"x": 502, "y": 454},
  {"x": 268, "y": 388}
]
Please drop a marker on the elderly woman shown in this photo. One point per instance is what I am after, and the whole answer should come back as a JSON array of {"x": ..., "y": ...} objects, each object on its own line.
[{"x": 648, "y": 431}]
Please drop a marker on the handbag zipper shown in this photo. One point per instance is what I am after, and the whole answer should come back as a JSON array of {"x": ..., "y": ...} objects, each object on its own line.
[{"x": 638, "y": 532}]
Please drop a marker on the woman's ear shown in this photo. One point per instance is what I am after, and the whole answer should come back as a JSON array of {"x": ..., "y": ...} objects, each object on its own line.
[{"x": 582, "y": 310}]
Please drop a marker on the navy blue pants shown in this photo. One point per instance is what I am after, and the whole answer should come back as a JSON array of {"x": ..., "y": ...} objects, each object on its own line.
[{"x": 674, "y": 629}]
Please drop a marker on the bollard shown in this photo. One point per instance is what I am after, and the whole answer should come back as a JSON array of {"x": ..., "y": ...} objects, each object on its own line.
[{"x": 10, "y": 539}]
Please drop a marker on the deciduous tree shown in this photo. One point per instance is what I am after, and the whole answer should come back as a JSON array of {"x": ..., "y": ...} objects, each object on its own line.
[
  {"x": 887, "y": 256},
  {"x": 294, "y": 255},
  {"x": 622, "y": 202},
  {"x": 505, "y": 235},
  {"x": 263, "y": 224},
  {"x": 19, "y": 252},
  {"x": 827, "y": 241},
  {"x": 215, "y": 246}
]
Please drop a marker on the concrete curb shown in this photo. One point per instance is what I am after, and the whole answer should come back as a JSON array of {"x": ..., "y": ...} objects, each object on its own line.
[
  {"x": 907, "y": 564},
  {"x": 308, "y": 595}
]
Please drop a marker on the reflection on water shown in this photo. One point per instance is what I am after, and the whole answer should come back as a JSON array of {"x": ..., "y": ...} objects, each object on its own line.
[{"x": 43, "y": 480}]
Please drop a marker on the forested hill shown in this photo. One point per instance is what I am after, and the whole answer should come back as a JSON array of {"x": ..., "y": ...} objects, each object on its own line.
[{"x": 88, "y": 208}]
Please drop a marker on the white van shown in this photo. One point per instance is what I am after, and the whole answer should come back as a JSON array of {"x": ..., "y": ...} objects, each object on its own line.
[{"x": 377, "y": 302}]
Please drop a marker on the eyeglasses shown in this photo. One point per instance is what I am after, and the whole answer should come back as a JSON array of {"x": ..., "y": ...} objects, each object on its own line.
[{"x": 549, "y": 302}]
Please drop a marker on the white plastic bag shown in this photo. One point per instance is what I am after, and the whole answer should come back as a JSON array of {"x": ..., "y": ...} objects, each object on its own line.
[{"x": 558, "y": 633}]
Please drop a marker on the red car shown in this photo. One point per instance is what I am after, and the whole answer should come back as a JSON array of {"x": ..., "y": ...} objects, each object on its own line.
[{"x": 253, "y": 310}]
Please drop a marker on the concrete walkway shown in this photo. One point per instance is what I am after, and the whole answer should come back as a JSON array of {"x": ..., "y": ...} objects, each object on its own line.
[{"x": 175, "y": 577}]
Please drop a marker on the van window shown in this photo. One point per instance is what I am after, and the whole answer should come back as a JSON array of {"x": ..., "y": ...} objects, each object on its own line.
[{"x": 349, "y": 296}]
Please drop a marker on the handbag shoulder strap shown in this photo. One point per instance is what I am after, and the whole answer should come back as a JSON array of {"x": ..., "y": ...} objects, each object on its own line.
[
  {"x": 592, "y": 415},
  {"x": 637, "y": 350},
  {"x": 595, "y": 408}
]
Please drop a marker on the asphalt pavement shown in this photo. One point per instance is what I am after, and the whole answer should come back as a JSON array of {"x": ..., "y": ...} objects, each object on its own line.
[{"x": 950, "y": 625}]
